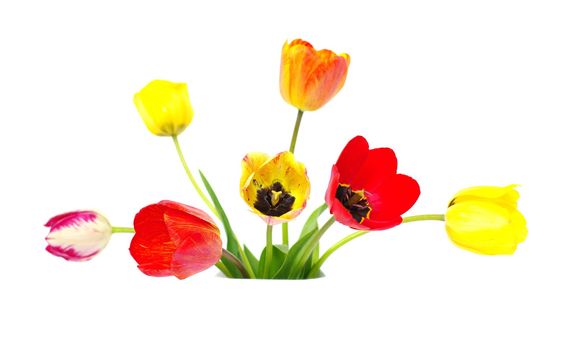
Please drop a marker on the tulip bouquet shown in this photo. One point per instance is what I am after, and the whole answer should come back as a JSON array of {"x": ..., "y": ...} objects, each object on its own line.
[{"x": 365, "y": 193}]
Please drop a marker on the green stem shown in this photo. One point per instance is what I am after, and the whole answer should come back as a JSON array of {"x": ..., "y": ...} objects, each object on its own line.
[
  {"x": 308, "y": 250},
  {"x": 231, "y": 258},
  {"x": 220, "y": 265},
  {"x": 285, "y": 234},
  {"x": 117, "y": 229},
  {"x": 438, "y": 217},
  {"x": 315, "y": 269},
  {"x": 295, "y": 131},
  {"x": 285, "y": 230},
  {"x": 191, "y": 177},
  {"x": 269, "y": 251}
]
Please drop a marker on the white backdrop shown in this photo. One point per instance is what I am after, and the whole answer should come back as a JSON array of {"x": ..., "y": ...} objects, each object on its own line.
[{"x": 466, "y": 93}]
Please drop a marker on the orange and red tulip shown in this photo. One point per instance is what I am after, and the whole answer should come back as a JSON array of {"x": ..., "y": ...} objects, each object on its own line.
[{"x": 310, "y": 78}]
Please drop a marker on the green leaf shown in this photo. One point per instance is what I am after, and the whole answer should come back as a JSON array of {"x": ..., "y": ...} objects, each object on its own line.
[
  {"x": 311, "y": 222},
  {"x": 232, "y": 241},
  {"x": 233, "y": 246},
  {"x": 232, "y": 268},
  {"x": 278, "y": 257},
  {"x": 293, "y": 255},
  {"x": 296, "y": 251},
  {"x": 252, "y": 260}
]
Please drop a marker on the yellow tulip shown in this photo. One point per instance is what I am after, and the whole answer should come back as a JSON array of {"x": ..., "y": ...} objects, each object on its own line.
[
  {"x": 164, "y": 107},
  {"x": 310, "y": 78},
  {"x": 485, "y": 220},
  {"x": 275, "y": 188}
]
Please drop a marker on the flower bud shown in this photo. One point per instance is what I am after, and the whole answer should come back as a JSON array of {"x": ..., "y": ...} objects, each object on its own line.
[
  {"x": 78, "y": 235},
  {"x": 485, "y": 220},
  {"x": 164, "y": 107}
]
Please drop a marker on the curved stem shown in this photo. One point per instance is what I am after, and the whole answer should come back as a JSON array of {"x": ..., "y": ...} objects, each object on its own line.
[
  {"x": 316, "y": 267},
  {"x": 118, "y": 229},
  {"x": 191, "y": 177},
  {"x": 269, "y": 251},
  {"x": 295, "y": 131},
  {"x": 438, "y": 217},
  {"x": 231, "y": 258}
]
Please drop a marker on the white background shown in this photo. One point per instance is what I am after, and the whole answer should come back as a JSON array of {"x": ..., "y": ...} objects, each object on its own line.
[{"x": 466, "y": 92}]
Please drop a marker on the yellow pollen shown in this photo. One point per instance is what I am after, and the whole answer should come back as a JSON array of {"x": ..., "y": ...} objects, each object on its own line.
[
  {"x": 357, "y": 196},
  {"x": 276, "y": 197}
]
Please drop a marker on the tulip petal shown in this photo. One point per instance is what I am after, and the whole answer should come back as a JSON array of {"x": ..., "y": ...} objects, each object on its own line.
[
  {"x": 481, "y": 227},
  {"x": 351, "y": 158},
  {"x": 310, "y": 78},
  {"x": 394, "y": 197},
  {"x": 506, "y": 196},
  {"x": 377, "y": 168},
  {"x": 250, "y": 164},
  {"x": 152, "y": 245},
  {"x": 198, "y": 252}
]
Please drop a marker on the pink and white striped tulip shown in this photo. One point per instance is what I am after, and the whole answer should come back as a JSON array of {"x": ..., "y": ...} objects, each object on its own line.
[{"x": 78, "y": 235}]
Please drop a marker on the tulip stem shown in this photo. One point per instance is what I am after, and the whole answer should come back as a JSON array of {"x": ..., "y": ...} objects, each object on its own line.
[
  {"x": 438, "y": 217},
  {"x": 117, "y": 229},
  {"x": 191, "y": 177},
  {"x": 269, "y": 251},
  {"x": 315, "y": 269},
  {"x": 295, "y": 131},
  {"x": 285, "y": 230},
  {"x": 285, "y": 234}
]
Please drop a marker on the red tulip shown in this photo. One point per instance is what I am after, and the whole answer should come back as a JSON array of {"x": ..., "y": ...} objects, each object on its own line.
[
  {"x": 365, "y": 192},
  {"x": 174, "y": 239}
]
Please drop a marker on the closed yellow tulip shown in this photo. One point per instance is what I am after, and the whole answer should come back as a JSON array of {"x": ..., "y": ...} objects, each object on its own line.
[
  {"x": 164, "y": 107},
  {"x": 485, "y": 220}
]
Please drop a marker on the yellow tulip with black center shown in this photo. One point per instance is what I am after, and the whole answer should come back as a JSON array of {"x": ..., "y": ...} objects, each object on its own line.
[
  {"x": 485, "y": 220},
  {"x": 276, "y": 188}
]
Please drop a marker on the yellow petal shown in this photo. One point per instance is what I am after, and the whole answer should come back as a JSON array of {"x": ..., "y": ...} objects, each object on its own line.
[
  {"x": 505, "y": 196},
  {"x": 164, "y": 107},
  {"x": 261, "y": 172},
  {"x": 484, "y": 228}
]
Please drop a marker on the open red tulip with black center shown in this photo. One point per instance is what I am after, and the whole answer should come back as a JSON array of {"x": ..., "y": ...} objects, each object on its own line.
[
  {"x": 174, "y": 239},
  {"x": 365, "y": 192}
]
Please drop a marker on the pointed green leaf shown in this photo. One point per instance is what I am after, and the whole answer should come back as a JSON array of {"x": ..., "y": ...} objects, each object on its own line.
[
  {"x": 232, "y": 241},
  {"x": 252, "y": 259},
  {"x": 278, "y": 257},
  {"x": 233, "y": 246},
  {"x": 232, "y": 268},
  {"x": 311, "y": 222},
  {"x": 293, "y": 255},
  {"x": 297, "y": 250}
]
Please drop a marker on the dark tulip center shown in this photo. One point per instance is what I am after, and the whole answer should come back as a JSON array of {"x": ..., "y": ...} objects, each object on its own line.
[
  {"x": 354, "y": 201},
  {"x": 274, "y": 200}
]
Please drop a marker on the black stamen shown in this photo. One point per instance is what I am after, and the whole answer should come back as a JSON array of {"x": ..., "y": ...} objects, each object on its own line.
[
  {"x": 354, "y": 201},
  {"x": 264, "y": 200}
]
